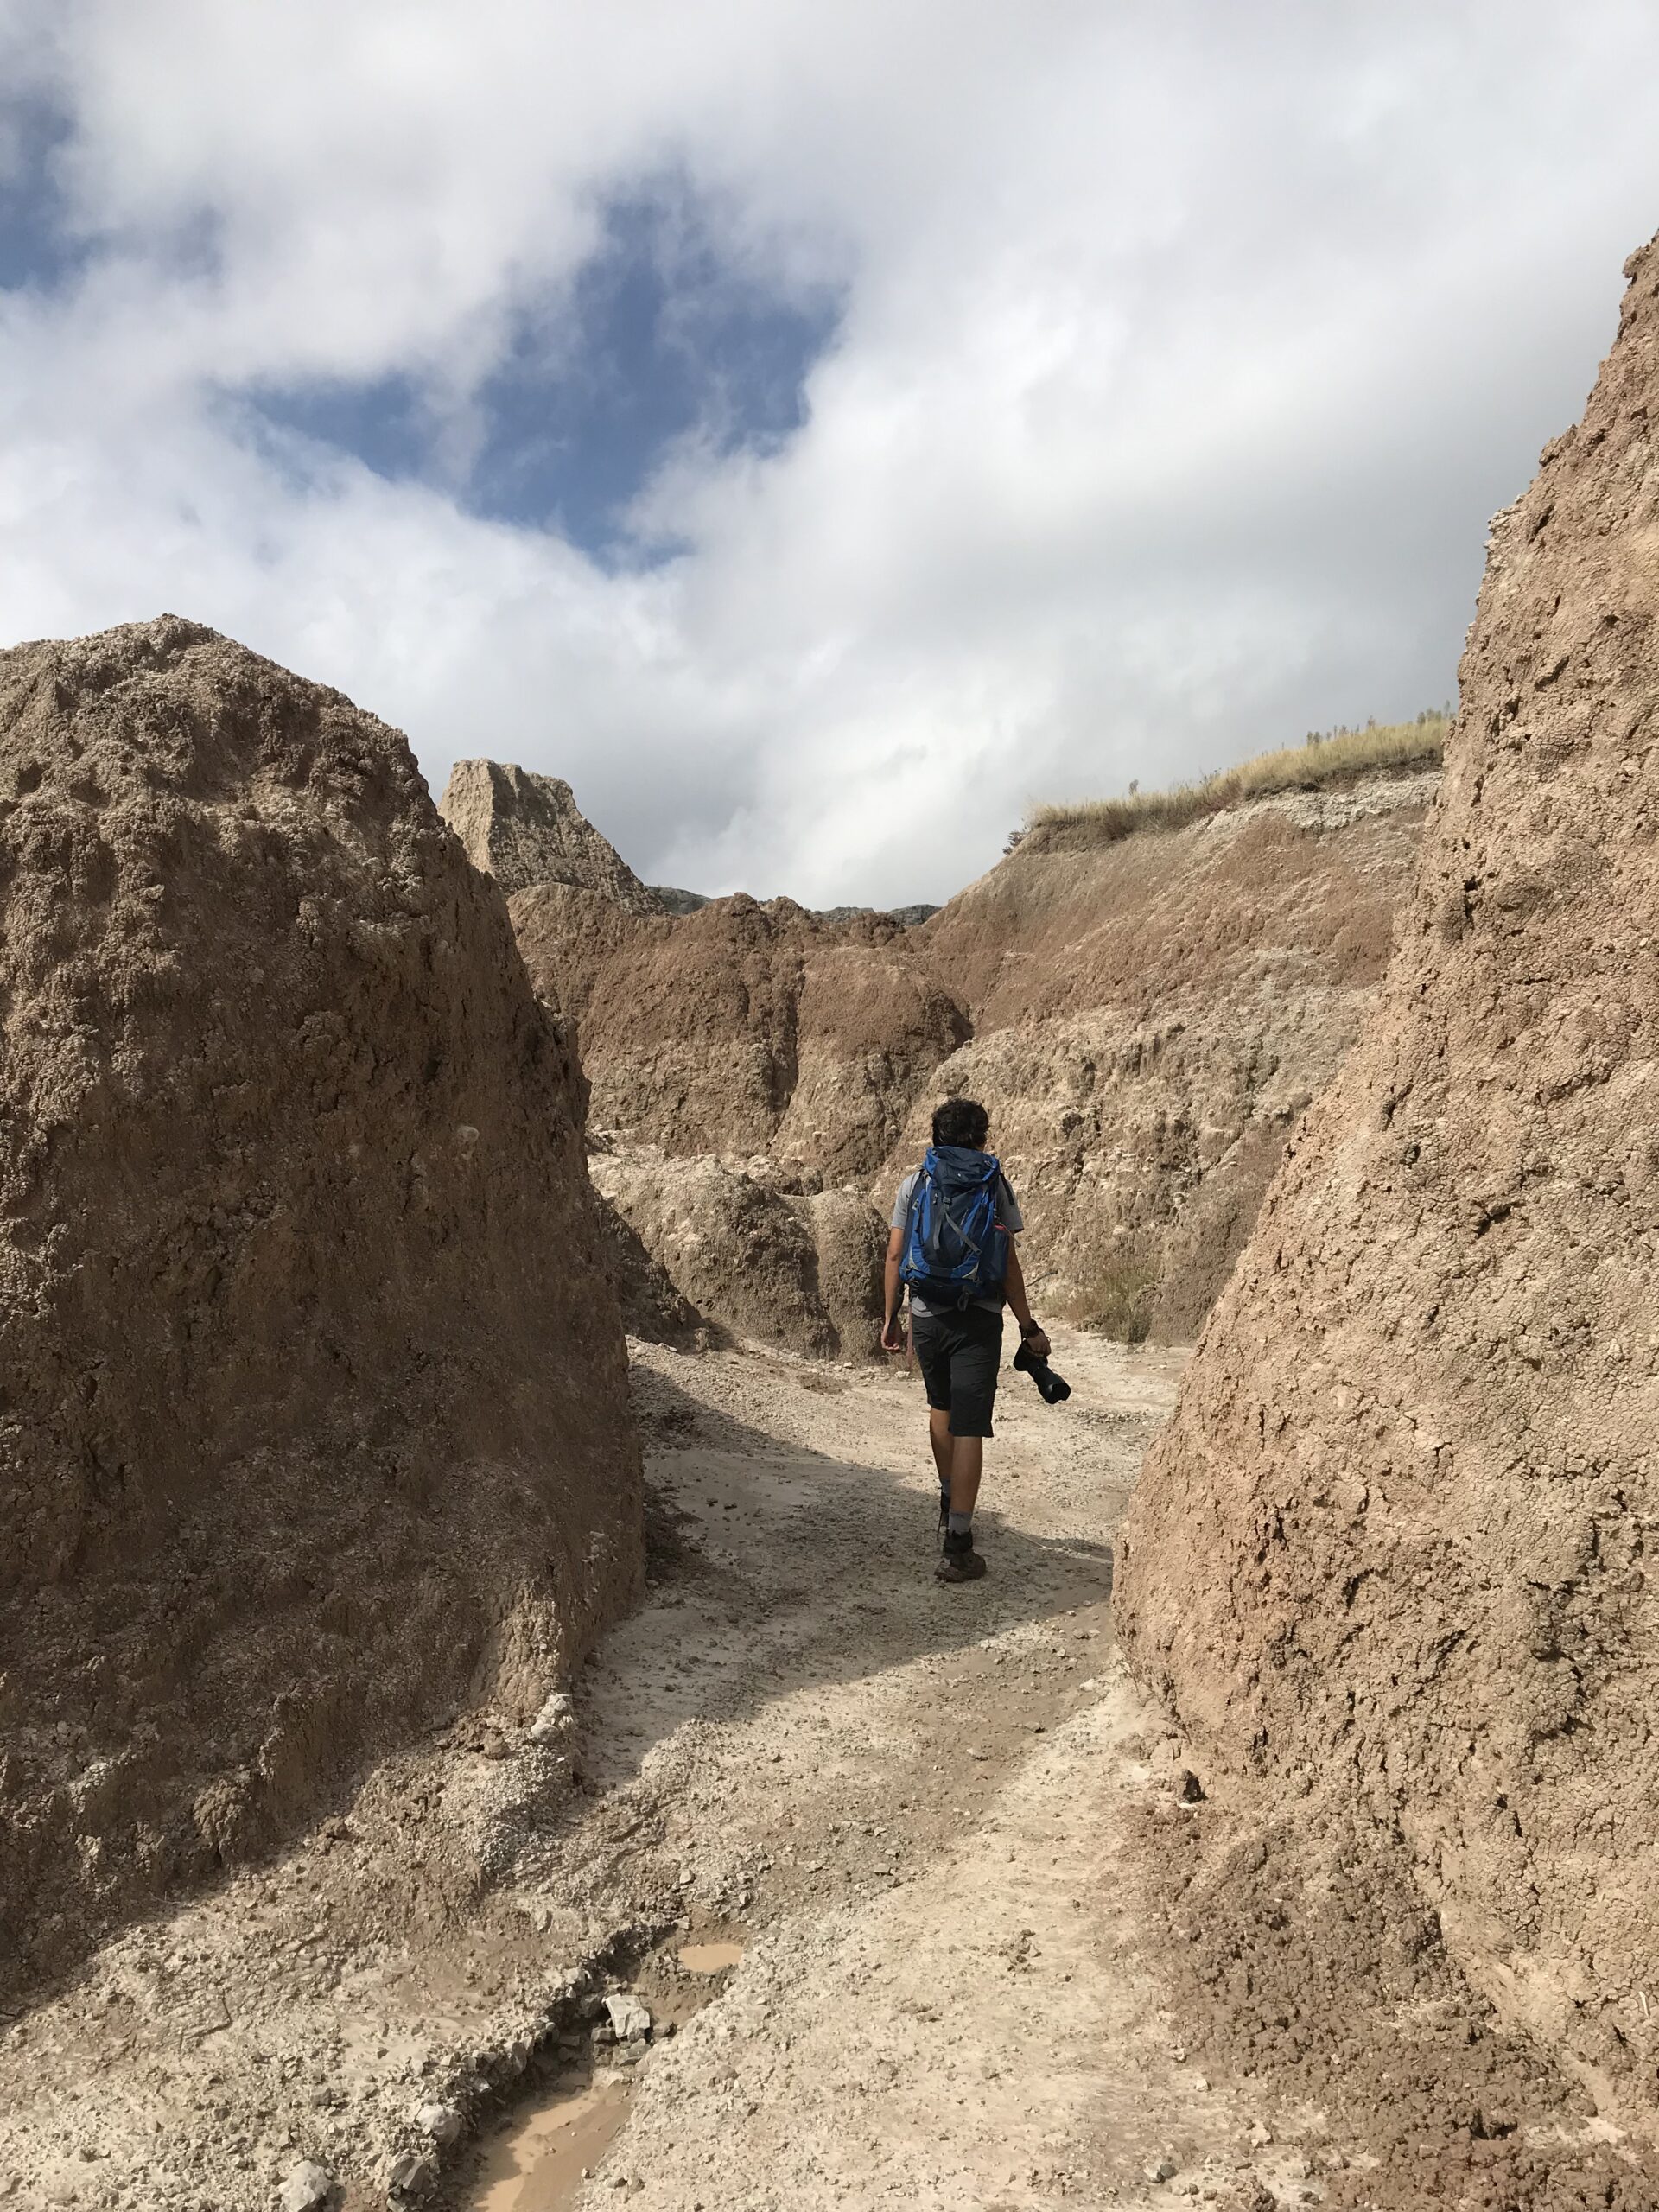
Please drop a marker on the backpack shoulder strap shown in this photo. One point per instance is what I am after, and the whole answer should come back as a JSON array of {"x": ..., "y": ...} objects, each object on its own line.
[{"x": 918, "y": 1180}]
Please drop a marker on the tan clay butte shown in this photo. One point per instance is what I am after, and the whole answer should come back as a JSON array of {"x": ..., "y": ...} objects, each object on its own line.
[
  {"x": 1146, "y": 1021},
  {"x": 313, "y": 1424},
  {"x": 1149, "y": 1020},
  {"x": 1391, "y": 1561},
  {"x": 523, "y": 828},
  {"x": 743, "y": 1027}
]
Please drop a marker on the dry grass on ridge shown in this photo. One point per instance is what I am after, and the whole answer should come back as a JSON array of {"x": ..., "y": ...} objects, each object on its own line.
[{"x": 1294, "y": 768}]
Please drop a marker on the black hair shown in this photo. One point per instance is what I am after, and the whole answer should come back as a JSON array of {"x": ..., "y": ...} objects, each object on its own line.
[{"x": 961, "y": 1120}]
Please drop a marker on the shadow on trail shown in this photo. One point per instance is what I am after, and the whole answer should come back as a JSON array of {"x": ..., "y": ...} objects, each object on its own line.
[{"x": 778, "y": 1568}]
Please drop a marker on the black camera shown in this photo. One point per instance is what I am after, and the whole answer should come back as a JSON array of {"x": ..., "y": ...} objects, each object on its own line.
[{"x": 1054, "y": 1387}]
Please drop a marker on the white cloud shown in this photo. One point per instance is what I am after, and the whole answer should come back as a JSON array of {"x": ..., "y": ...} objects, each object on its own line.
[{"x": 1185, "y": 353}]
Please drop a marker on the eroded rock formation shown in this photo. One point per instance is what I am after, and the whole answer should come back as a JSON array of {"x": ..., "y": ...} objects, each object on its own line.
[
  {"x": 1149, "y": 1020},
  {"x": 525, "y": 828},
  {"x": 1146, "y": 1021},
  {"x": 742, "y": 1028},
  {"x": 1391, "y": 1557},
  {"x": 315, "y": 1420},
  {"x": 748, "y": 1252}
]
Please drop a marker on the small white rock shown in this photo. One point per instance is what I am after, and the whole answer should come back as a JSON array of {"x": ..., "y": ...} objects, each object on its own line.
[
  {"x": 1163, "y": 2171},
  {"x": 412, "y": 2175},
  {"x": 442, "y": 2122},
  {"x": 308, "y": 2188},
  {"x": 556, "y": 1715},
  {"x": 629, "y": 2019}
]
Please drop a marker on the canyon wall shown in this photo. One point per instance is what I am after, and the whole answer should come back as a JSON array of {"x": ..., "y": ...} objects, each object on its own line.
[
  {"x": 1145, "y": 1019},
  {"x": 315, "y": 1418},
  {"x": 1149, "y": 1019},
  {"x": 742, "y": 1028},
  {"x": 1390, "y": 1559}
]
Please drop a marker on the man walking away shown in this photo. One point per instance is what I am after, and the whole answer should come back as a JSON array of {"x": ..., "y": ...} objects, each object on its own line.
[{"x": 951, "y": 1245}]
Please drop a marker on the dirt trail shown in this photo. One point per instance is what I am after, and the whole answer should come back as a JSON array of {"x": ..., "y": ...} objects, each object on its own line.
[
  {"x": 895, "y": 1790},
  {"x": 914, "y": 1798},
  {"x": 922, "y": 1813}
]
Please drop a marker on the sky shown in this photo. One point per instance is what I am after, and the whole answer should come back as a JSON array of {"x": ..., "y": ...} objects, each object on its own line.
[{"x": 816, "y": 432}]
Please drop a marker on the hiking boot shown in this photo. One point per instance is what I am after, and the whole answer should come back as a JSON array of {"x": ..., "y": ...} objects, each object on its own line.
[{"x": 959, "y": 1562}]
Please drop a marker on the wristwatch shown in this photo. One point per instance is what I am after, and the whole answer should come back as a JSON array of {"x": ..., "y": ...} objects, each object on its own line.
[{"x": 1034, "y": 1328}]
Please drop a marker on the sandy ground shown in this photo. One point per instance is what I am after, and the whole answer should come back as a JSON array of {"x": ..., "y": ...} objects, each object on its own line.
[
  {"x": 922, "y": 1812},
  {"x": 916, "y": 1785}
]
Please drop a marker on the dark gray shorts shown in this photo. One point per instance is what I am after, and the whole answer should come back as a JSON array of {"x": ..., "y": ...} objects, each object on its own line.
[{"x": 959, "y": 1355}]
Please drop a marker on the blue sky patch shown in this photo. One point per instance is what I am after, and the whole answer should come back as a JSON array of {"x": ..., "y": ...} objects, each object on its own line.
[
  {"x": 36, "y": 248},
  {"x": 383, "y": 422},
  {"x": 660, "y": 339}
]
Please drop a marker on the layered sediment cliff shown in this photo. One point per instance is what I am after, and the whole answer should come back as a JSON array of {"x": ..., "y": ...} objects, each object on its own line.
[
  {"x": 1390, "y": 1559},
  {"x": 1146, "y": 1020}
]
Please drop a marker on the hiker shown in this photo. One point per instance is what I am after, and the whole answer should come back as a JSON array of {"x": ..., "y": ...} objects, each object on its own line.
[{"x": 954, "y": 1223}]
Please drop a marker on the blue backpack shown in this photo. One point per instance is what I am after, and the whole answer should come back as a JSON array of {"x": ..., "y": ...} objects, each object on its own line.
[{"x": 954, "y": 1251}]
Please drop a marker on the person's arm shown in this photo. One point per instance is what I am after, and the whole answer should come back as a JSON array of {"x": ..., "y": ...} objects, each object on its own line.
[
  {"x": 893, "y": 1332},
  {"x": 1014, "y": 1284}
]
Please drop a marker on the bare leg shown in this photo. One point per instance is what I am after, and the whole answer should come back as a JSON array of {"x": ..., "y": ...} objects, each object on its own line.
[
  {"x": 939, "y": 1436},
  {"x": 966, "y": 1462}
]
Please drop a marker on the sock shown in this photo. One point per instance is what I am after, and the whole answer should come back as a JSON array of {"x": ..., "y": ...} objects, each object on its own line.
[{"x": 961, "y": 1524}]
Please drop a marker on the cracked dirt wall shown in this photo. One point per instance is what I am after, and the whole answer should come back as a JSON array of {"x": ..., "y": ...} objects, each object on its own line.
[
  {"x": 1391, "y": 1557},
  {"x": 315, "y": 1419}
]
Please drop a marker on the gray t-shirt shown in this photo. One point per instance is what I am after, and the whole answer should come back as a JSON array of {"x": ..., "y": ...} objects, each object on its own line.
[{"x": 1008, "y": 1217}]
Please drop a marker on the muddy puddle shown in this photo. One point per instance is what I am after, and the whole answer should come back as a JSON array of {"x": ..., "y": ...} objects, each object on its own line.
[
  {"x": 538, "y": 2161},
  {"x": 541, "y": 2160},
  {"x": 709, "y": 1958}
]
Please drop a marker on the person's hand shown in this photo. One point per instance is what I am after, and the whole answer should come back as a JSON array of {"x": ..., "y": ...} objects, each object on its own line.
[
  {"x": 1037, "y": 1343},
  {"x": 893, "y": 1333}
]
